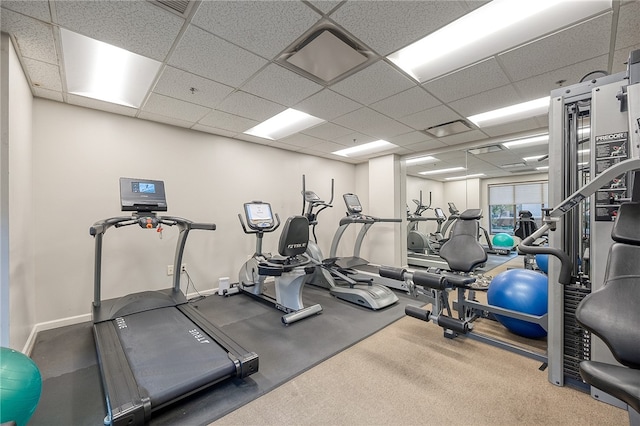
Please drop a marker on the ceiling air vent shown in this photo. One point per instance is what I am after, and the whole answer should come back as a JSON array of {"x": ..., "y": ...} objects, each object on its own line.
[
  {"x": 326, "y": 55},
  {"x": 448, "y": 129},
  {"x": 179, "y": 6}
]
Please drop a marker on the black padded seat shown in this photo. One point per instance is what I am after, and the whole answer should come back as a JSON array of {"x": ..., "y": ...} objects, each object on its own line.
[
  {"x": 291, "y": 248},
  {"x": 612, "y": 313},
  {"x": 462, "y": 251}
]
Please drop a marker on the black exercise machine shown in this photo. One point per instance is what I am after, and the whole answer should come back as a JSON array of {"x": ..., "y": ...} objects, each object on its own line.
[{"x": 154, "y": 348}]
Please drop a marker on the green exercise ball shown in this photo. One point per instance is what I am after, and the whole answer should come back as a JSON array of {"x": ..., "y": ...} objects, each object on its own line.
[
  {"x": 20, "y": 387},
  {"x": 503, "y": 240}
]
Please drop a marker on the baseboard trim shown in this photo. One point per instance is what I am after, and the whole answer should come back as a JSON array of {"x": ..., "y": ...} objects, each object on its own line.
[{"x": 63, "y": 322}]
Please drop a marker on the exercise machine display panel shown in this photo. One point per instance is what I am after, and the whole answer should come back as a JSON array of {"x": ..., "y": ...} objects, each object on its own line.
[
  {"x": 142, "y": 195},
  {"x": 258, "y": 215},
  {"x": 353, "y": 203}
]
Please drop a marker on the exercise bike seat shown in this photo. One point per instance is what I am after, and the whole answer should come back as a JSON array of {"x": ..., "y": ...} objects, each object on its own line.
[
  {"x": 612, "y": 313},
  {"x": 462, "y": 251},
  {"x": 291, "y": 248}
]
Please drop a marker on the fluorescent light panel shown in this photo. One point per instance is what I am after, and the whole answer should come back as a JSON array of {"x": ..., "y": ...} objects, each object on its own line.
[
  {"x": 533, "y": 140},
  {"x": 442, "y": 171},
  {"x": 542, "y": 168},
  {"x": 493, "y": 28},
  {"x": 365, "y": 149},
  {"x": 534, "y": 157},
  {"x": 511, "y": 113},
  {"x": 465, "y": 176},
  {"x": 101, "y": 71},
  {"x": 286, "y": 123},
  {"x": 419, "y": 160}
]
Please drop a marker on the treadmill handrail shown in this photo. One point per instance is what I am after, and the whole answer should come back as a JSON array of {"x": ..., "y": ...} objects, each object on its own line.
[{"x": 98, "y": 229}]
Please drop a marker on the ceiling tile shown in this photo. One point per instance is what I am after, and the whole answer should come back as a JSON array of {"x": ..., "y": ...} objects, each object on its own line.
[
  {"x": 170, "y": 107},
  {"x": 386, "y": 26},
  {"x": 541, "y": 85},
  {"x": 473, "y": 135},
  {"x": 281, "y": 85},
  {"x": 406, "y": 103},
  {"x": 302, "y": 141},
  {"x": 35, "y": 39},
  {"x": 370, "y": 122},
  {"x": 410, "y": 138},
  {"x": 43, "y": 74},
  {"x": 208, "y": 56},
  {"x": 227, "y": 121},
  {"x": 513, "y": 127},
  {"x": 328, "y": 131},
  {"x": 327, "y": 147},
  {"x": 35, "y": 9},
  {"x": 40, "y": 92},
  {"x": 327, "y": 105},
  {"x": 137, "y": 26},
  {"x": 478, "y": 78},
  {"x": 100, "y": 105},
  {"x": 573, "y": 45},
  {"x": 214, "y": 130},
  {"x": 426, "y": 146},
  {"x": 177, "y": 84},
  {"x": 163, "y": 119},
  {"x": 353, "y": 139},
  {"x": 627, "y": 34},
  {"x": 487, "y": 101},
  {"x": 376, "y": 82},
  {"x": 430, "y": 117},
  {"x": 250, "y": 106},
  {"x": 263, "y": 27}
]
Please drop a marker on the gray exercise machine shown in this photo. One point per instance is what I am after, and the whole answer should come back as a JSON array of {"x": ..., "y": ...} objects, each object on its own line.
[
  {"x": 327, "y": 274},
  {"x": 463, "y": 254},
  {"x": 287, "y": 268},
  {"x": 361, "y": 267},
  {"x": 140, "y": 337}
]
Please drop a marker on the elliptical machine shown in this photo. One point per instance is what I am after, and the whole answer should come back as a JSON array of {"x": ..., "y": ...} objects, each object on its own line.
[
  {"x": 417, "y": 241},
  {"x": 288, "y": 267},
  {"x": 328, "y": 275}
]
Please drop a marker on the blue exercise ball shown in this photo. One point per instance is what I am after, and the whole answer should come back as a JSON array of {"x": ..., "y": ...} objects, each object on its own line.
[
  {"x": 503, "y": 240},
  {"x": 521, "y": 290},
  {"x": 20, "y": 387},
  {"x": 542, "y": 260}
]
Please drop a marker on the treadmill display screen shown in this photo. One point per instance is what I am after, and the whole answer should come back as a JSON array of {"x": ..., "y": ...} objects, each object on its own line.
[
  {"x": 440, "y": 213},
  {"x": 142, "y": 195},
  {"x": 259, "y": 215},
  {"x": 353, "y": 203}
]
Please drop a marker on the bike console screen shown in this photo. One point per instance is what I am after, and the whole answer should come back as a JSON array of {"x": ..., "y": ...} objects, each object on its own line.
[
  {"x": 259, "y": 215},
  {"x": 142, "y": 195},
  {"x": 353, "y": 204}
]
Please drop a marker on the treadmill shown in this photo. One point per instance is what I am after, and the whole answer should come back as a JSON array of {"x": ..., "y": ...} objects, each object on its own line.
[
  {"x": 154, "y": 348},
  {"x": 363, "y": 269}
]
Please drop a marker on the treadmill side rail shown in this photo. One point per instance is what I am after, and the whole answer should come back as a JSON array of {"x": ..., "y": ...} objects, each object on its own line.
[
  {"x": 125, "y": 404},
  {"x": 246, "y": 362}
]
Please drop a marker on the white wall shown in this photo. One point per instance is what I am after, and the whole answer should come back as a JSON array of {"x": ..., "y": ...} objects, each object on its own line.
[
  {"x": 79, "y": 154},
  {"x": 21, "y": 277}
]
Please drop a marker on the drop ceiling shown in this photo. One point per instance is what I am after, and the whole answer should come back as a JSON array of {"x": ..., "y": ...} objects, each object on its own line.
[{"x": 222, "y": 71}]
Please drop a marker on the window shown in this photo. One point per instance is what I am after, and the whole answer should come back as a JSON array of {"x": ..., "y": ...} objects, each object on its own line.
[{"x": 507, "y": 201}]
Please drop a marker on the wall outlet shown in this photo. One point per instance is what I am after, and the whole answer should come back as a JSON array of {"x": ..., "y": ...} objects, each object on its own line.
[{"x": 170, "y": 269}]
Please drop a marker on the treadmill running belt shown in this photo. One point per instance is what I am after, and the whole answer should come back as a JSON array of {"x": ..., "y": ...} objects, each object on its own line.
[{"x": 169, "y": 355}]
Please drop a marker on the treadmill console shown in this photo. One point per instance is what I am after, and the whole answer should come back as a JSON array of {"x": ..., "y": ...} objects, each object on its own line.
[
  {"x": 142, "y": 195},
  {"x": 259, "y": 215},
  {"x": 353, "y": 204}
]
